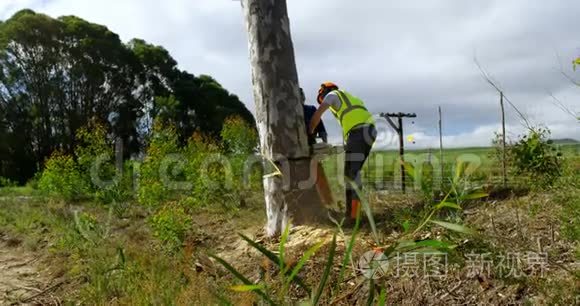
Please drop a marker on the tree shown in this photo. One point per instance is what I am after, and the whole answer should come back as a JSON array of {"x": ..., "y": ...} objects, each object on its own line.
[
  {"x": 197, "y": 103},
  {"x": 57, "y": 75},
  {"x": 60, "y": 73},
  {"x": 279, "y": 115}
]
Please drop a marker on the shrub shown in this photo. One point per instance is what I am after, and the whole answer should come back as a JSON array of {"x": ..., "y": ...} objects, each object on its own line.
[
  {"x": 93, "y": 146},
  {"x": 74, "y": 178},
  {"x": 240, "y": 141},
  {"x": 534, "y": 155},
  {"x": 92, "y": 143},
  {"x": 211, "y": 171},
  {"x": 152, "y": 190},
  {"x": 61, "y": 177},
  {"x": 202, "y": 153},
  {"x": 217, "y": 171},
  {"x": 170, "y": 225},
  {"x": 238, "y": 136}
]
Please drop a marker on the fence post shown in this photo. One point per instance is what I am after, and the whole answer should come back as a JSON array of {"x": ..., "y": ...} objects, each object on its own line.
[
  {"x": 441, "y": 145},
  {"x": 503, "y": 142}
]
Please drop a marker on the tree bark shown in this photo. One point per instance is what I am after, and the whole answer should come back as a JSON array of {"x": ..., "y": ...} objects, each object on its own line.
[{"x": 279, "y": 116}]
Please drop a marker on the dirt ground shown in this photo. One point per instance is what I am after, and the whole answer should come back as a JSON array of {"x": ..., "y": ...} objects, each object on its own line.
[{"x": 23, "y": 279}]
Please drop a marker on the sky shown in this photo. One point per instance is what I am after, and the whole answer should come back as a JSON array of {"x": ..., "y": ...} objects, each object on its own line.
[{"x": 398, "y": 56}]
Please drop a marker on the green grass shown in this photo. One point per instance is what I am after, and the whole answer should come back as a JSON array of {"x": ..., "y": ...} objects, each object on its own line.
[
  {"x": 24, "y": 191},
  {"x": 382, "y": 169},
  {"x": 127, "y": 265}
]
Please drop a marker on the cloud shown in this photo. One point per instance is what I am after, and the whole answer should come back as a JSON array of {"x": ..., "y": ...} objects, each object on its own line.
[{"x": 397, "y": 56}]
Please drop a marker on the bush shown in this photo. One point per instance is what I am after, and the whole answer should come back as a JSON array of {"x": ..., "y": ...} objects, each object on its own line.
[
  {"x": 170, "y": 225},
  {"x": 238, "y": 136},
  {"x": 61, "y": 177},
  {"x": 216, "y": 170},
  {"x": 533, "y": 155},
  {"x": 93, "y": 146},
  {"x": 152, "y": 190},
  {"x": 202, "y": 153},
  {"x": 241, "y": 141},
  {"x": 210, "y": 172},
  {"x": 73, "y": 178}
]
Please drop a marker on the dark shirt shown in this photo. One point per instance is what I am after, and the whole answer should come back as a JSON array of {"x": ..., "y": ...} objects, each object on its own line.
[{"x": 309, "y": 111}]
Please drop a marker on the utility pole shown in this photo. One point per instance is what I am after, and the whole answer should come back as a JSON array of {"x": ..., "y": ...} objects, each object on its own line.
[
  {"x": 503, "y": 144},
  {"x": 399, "y": 129},
  {"x": 441, "y": 145}
]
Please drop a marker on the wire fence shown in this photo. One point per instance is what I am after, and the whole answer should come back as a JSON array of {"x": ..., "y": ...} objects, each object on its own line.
[{"x": 382, "y": 171}]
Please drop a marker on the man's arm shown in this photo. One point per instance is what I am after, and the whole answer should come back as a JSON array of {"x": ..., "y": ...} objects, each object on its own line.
[{"x": 316, "y": 117}]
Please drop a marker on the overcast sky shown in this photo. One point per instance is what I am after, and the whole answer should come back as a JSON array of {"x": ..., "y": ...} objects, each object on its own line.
[{"x": 398, "y": 56}]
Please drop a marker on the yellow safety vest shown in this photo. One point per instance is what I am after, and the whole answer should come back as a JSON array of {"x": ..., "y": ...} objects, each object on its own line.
[{"x": 352, "y": 112}]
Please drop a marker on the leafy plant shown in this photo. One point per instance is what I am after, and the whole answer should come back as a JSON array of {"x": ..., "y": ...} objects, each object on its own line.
[
  {"x": 205, "y": 170},
  {"x": 239, "y": 136},
  {"x": 170, "y": 225},
  {"x": 62, "y": 177},
  {"x": 535, "y": 156},
  {"x": 90, "y": 172},
  {"x": 326, "y": 273},
  {"x": 453, "y": 200},
  {"x": 152, "y": 190},
  {"x": 92, "y": 142}
]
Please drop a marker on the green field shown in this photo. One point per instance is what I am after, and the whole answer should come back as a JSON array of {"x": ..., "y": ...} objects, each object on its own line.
[{"x": 383, "y": 171}]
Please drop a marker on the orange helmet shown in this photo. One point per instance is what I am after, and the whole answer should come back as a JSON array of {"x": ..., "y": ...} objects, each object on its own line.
[{"x": 325, "y": 88}]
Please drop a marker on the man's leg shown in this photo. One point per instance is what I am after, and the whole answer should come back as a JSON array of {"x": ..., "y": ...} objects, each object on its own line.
[{"x": 358, "y": 147}]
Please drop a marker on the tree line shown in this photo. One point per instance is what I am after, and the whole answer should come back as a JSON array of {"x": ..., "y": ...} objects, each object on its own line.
[{"x": 57, "y": 75}]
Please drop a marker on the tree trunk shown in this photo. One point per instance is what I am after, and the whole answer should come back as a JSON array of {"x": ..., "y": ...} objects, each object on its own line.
[{"x": 280, "y": 117}]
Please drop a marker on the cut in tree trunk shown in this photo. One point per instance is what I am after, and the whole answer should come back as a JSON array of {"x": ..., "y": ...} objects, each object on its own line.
[{"x": 279, "y": 117}]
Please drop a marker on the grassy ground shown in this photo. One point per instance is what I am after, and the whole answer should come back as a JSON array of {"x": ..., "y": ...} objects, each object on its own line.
[
  {"x": 18, "y": 192},
  {"x": 100, "y": 257},
  {"x": 86, "y": 253}
]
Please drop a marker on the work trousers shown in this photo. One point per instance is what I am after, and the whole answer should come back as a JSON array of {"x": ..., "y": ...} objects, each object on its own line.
[{"x": 359, "y": 142}]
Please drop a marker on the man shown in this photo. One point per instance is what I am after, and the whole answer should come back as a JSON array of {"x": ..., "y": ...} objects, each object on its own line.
[
  {"x": 359, "y": 134},
  {"x": 309, "y": 111}
]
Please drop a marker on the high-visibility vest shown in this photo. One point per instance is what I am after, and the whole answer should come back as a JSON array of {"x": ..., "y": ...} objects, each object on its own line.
[{"x": 352, "y": 112}]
